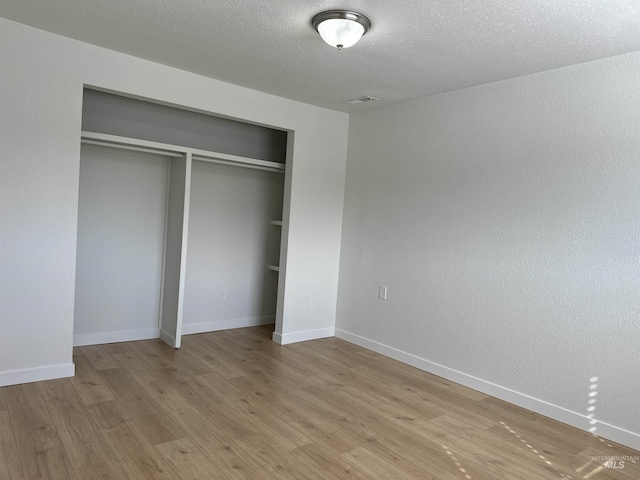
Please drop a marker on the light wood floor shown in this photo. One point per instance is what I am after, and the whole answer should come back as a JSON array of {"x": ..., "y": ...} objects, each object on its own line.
[{"x": 235, "y": 405}]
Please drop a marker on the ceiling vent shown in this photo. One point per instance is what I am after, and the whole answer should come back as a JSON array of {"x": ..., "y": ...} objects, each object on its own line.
[{"x": 366, "y": 98}]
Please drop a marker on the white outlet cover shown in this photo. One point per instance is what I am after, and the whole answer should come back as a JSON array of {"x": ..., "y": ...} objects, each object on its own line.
[{"x": 382, "y": 293}]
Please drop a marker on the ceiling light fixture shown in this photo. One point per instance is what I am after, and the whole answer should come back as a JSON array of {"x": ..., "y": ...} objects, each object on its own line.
[{"x": 341, "y": 28}]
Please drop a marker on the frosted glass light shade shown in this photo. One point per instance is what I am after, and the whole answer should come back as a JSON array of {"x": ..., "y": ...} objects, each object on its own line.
[
  {"x": 340, "y": 33},
  {"x": 341, "y": 28}
]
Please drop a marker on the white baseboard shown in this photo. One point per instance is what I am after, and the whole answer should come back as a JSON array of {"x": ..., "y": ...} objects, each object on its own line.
[
  {"x": 296, "y": 337},
  {"x": 150, "y": 333},
  {"x": 189, "y": 329},
  {"x": 38, "y": 374},
  {"x": 561, "y": 414},
  {"x": 114, "y": 337}
]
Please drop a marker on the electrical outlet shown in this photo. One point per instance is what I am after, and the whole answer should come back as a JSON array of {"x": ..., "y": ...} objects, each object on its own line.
[
  {"x": 223, "y": 294},
  {"x": 382, "y": 293}
]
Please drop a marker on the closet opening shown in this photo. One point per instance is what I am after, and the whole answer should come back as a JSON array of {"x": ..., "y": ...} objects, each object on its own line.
[{"x": 180, "y": 222}]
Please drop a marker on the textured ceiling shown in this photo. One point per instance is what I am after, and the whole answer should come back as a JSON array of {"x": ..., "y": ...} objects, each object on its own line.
[{"x": 415, "y": 48}]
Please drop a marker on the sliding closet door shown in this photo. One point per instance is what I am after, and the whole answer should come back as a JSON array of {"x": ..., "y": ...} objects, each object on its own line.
[
  {"x": 121, "y": 227},
  {"x": 176, "y": 250}
]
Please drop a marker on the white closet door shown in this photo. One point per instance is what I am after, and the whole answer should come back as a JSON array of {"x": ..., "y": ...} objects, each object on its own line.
[
  {"x": 176, "y": 250},
  {"x": 121, "y": 227}
]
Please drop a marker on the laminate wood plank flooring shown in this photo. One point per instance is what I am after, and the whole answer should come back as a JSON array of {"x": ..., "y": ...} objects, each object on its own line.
[
  {"x": 99, "y": 357},
  {"x": 188, "y": 460},
  {"x": 233, "y": 405},
  {"x": 82, "y": 441},
  {"x": 10, "y": 468},
  {"x": 87, "y": 382}
]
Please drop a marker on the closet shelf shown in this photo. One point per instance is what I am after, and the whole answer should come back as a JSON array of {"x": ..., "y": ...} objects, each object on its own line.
[
  {"x": 274, "y": 268},
  {"x": 135, "y": 144},
  {"x": 277, "y": 223}
]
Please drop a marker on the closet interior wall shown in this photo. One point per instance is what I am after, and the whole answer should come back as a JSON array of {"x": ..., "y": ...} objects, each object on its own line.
[
  {"x": 170, "y": 243},
  {"x": 231, "y": 243},
  {"x": 120, "y": 248}
]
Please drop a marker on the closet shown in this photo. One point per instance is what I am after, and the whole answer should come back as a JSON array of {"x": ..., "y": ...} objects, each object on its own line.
[{"x": 179, "y": 223}]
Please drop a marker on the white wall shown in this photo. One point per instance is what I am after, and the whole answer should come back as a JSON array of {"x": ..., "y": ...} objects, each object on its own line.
[
  {"x": 504, "y": 220},
  {"x": 230, "y": 244},
  {"x": 121, "y": 222},
  {"x": 41, "y": 83}
]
